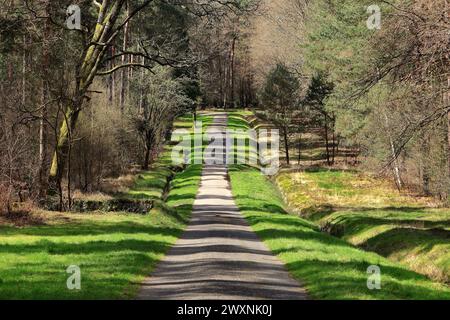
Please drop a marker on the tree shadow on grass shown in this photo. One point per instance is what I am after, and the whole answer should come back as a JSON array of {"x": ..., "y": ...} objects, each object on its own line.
[
  {"x": 180, "y": 197},
  {"x": 109, "y": 276},
  {"x": 407, "y": 239},
  {"x": 334, "y": 278},
  {"x": 125, "y": 252},
  {"x": 375, "y": 216},
  {"x": 353, "y": 224},
  {"x": 305, "y": 235},
  {"x": 143, "y": 195},
  {"x": 279, "y": 220},
  {"x": 348, "y": 279},
  {"x": 89, "y": 229},
  {"x": 90, "y": 247}
]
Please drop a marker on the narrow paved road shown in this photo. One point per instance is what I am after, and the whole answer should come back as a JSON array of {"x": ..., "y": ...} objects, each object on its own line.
[{"x": 219, "y": 256}]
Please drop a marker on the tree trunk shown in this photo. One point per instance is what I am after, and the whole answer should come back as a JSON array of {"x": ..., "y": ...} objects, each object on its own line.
[
  {"x": 327, "y": 143},
  {"x": 395, "y": 164},
  {"x": 396, "y": 167},
  {"x": 233, "y": 45},
  {"x": 300, "y": 148},
  {"x": 131, "y": 58},
  {"x": 141, "y": 89},
  {"x": 42, "y": 171},
  {"x": 194, "y": 111},
  {"x": 221, "y": 81},
  {"x": 111, "y": 78},
  {"x": 24, "y": 71},
  {"x": 124, "y": 73},
  {"x": 333, "y": 128},
  {"x": 286, "y": 145},
  {"x": 43, "y": 139},
  {"x": 447, "y": 103},
  {"x": 107, "y": 16},
  {"x": 62, "y": 147},
  {"x": 225, "y": 91},
  {"x": 145, "y": 165},
  {"x": 110, "y": 84},
  {"x": 425, "y": 169}
]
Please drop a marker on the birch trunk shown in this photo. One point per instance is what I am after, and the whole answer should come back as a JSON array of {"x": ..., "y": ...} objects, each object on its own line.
[
  {"x": 124, "y": 73},
  {"x": 395, "y": 164},
  {"x": 107, "y": 16}
]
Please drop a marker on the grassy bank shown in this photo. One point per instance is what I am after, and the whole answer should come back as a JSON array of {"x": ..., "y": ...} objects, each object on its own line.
[
  {"x": 370, "y": 213},
  {"x": 330, "y": 268},
  {"x": 114, "y": 251}
]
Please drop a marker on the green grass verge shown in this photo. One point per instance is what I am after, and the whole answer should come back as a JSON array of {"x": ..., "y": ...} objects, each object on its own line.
[
  {"x": 370, "y": 213},
  {"x": 330, "y": 268}
]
